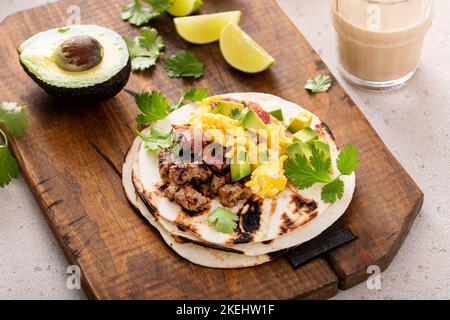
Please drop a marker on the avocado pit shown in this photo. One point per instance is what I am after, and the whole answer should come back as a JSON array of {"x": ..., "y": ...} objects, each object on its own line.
[{"x": 79, "y": 53}]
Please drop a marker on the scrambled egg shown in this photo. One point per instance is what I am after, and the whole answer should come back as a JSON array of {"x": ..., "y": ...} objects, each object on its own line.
[
  {"x": 268, "y": 179},
  {"x": 265, "y": 154}
]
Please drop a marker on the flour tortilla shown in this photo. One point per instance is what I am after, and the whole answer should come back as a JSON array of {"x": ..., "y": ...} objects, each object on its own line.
[
  {"x": 195, "y": 253},
  {"x": 270, "y": 236}
]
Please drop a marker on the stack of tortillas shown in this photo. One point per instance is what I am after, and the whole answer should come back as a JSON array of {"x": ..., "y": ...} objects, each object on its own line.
[{"x": 279, "y": 224}]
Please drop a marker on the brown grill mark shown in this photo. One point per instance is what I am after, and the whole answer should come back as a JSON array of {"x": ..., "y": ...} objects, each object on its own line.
[{"x": 324, "y": 131}]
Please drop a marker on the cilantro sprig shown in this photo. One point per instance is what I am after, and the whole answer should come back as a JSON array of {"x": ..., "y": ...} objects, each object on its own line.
[
  {"x": 155, "y": 106},
  {"x": 14, "y": 119},
  {"x": 223, "y": 220},
  {"x": 145, "y": 49},
  {"x": 157, "y": 138},
  {"x": 184, "y": 63},
  {"x": 321, "y": 83},
  {"x": 138, "y": 14},
  {"x": 304, "y": 173}
]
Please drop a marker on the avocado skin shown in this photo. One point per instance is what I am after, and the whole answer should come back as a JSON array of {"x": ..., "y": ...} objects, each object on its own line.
[{"x": 87, "y": 95}]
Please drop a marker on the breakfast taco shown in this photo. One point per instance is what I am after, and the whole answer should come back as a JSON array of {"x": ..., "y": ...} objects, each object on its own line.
[{"x": 230, "y": 174}]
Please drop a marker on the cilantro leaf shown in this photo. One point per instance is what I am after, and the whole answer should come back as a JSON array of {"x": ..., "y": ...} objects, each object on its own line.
[
  {"x": 223, "y": 220},
  {"x": 347, "y": 161},
  {"x": 195, "y": 94},
  {"x": 9, "y": 169},
  {"x": 184, "y": 63},
  {"x": 13, "y": 117},
  {"x": 160, "y": 6},
  {"x": 145, "y": 49},
  {"x": 192, "y": 94},
  {"x": 154, "y": 106},
  {"x": 303, "y": 174},
  {"x": 137, "y": 14},
  {"x": 157, "y": 138},
  {"x": 321, "y": 83},
  {"x": 333, "y": 191},
  {"x": 235, "y": 114}
]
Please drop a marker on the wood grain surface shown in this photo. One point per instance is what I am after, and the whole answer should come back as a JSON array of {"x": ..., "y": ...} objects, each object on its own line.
[{"x": 71, "y": 158}]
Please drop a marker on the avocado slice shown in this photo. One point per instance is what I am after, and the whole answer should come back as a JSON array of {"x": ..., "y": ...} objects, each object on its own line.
[
  {"x": 227, "y": 108},
  {"x": 300, "y": 148},
  {"x": 277, "y": 114},
  {"x": 239, "y": 171},
  {"x": 252, "y": 121},
  {"x": 306, "y": 135},
  {"x": 324, "y": 147},
  {"x": 80, "y": 63},
  {"x": 299, "y": 122}
]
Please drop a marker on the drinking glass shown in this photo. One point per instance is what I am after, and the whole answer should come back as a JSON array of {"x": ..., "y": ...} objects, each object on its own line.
[{"x": 380, "y": 42}]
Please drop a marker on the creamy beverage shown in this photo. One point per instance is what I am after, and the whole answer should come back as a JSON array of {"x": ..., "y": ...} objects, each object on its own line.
[{"x": 380, "y": 42}]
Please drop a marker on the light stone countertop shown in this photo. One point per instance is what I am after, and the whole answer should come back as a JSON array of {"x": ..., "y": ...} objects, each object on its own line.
[{"x": 414, "y": 122}]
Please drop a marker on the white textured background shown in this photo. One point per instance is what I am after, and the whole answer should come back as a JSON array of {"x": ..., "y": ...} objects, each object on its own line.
[{"x": 414, "y": 122}]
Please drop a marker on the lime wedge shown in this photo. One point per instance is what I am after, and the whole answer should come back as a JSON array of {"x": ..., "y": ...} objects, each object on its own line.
[
  {"x": 205, "y": 28},
  {"x": 181, "y": 8},
  {"x": 242, "y": 52}
]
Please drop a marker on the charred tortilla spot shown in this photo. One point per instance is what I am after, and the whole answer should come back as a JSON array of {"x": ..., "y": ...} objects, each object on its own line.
[
  {"x": 180, "y": 239},
  {"x": 323, "y": 128},
  {"x": 189, "y": 213},
  {"x": 243, "y": 238},
  {"x": 273, "y": 205},
  {"x": 268, "y": 241},
  {"x": 302, "y": 205},
  {"x": 181, "y": 224},
  {"x": 287, "y": 224},
  {"x": 251, "y": 217}
]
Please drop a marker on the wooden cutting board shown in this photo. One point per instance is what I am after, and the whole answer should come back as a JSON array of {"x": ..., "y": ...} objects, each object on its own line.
[{"x": 71, "y": 158}]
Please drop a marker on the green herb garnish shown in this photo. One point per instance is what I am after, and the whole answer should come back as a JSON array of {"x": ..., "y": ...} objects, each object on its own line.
[
  {"x": 223, "y": 220},
  {"x": 144, "y": 49},
  {"x": 157, "y": 138},
  {"x": 184, "y": 63},
  {"x": 304, "y": 174},
  {"x": 155, "y": 106},
  {"x": 192, "y": 94},
  {"x": 321, "y": 83},
  {"x": 138, "y": 14},
  {"x": 14, "y": 119}
]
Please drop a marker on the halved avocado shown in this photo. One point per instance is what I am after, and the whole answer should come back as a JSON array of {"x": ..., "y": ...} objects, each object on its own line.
[{"x": 82, "y": 63}]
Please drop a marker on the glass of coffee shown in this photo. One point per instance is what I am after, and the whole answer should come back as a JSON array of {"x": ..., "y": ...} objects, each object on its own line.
[{"x": 380, "y": 41}]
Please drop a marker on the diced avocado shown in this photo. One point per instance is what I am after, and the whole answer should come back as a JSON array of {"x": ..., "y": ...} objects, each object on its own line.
[
  {"x": 278, "y": 114},
  {"x": 299, "y": 122},
  {"x": 300, "y": 148},
  {"x": 306, "y": 135},
  {"x": 252, "y": 121},
  {"x": 227, "y": 108},
  {"x": 240, "y": 171},
  {"x": 324, "y": 147}
]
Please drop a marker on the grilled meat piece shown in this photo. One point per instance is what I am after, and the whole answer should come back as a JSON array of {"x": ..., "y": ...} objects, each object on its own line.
[
  {"x": 217, "y": 182},
  {"x": 170, "y": 191},
  {"x": 166, "y": 160},
  {"x": 182, "y": 173},
  {"x": 230, "y": 194},
  {"x": 191, "y": 200}
]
